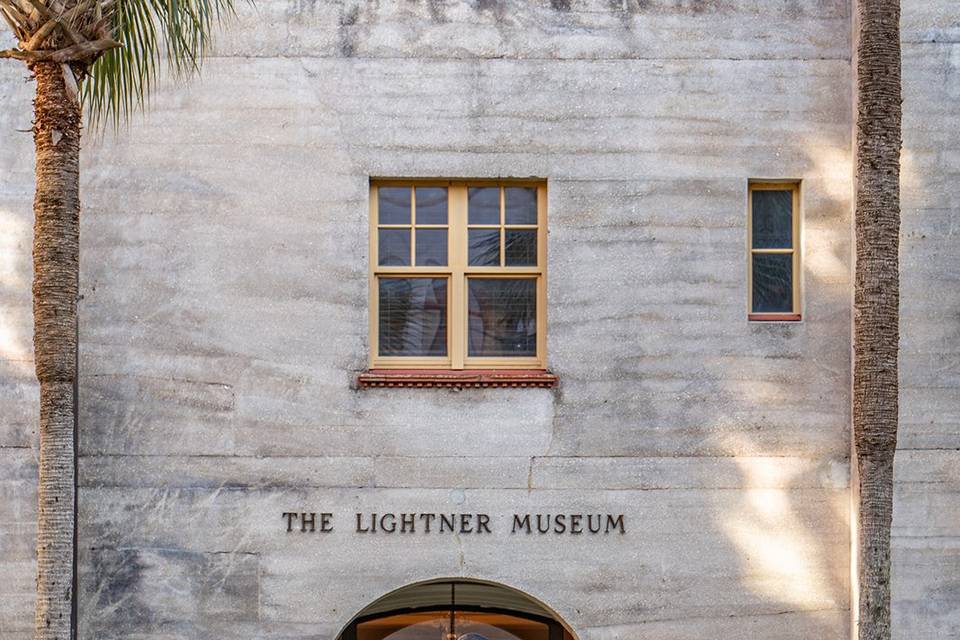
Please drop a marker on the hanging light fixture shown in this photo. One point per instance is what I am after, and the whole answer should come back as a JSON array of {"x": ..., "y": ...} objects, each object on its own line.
[{"x": 452, "y": 634}]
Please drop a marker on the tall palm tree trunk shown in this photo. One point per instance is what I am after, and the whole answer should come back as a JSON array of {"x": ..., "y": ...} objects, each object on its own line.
[
  {"x": 116, "y": 48},
  {"x": 876, "y": 301},
  {"x": 56, "y": 252}
]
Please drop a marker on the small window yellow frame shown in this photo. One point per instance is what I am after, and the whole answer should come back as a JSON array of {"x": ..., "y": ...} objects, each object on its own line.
[
  {"x": 793, "y": 250},
  {"x": 457, "y": 273}
]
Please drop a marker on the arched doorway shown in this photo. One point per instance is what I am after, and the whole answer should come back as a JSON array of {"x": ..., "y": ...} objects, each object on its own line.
[{"x": 456, "y": 609}]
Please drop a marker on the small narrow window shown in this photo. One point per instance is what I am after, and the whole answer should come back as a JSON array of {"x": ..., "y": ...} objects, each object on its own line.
[{"x": 774, "y": 258}]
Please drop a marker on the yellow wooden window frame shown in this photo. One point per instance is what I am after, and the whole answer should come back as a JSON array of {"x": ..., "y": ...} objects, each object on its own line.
[
  {"x": 457, "y": 273},
  {"x": 794, "y": 250}
]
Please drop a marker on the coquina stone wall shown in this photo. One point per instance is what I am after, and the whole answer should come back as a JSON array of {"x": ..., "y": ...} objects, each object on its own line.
[
  {"x": 224, "y": 320},
  {"x": 926, "y": 528}
]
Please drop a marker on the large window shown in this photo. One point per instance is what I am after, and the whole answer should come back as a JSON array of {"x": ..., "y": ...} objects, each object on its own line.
[
  {"x": 457, "y": 276},
  {"x": 773, "y": 229}
]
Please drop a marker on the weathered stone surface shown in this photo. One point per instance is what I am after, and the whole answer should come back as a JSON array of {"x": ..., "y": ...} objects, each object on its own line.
[
  {"x": 19, "y": 395},
  {"x": 18, "y": 515},
  {"x": 480, "y": 472},
  {"x": 540, "y": 29},
  {"x": 926, "y": 529},
  {"x": 223, "y": 320},
  {"x": 780, "y": 550}
]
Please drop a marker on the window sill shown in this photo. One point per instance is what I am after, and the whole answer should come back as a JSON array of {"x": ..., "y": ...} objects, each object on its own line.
[
  {"x": 773, "y": 317},
  {"x": 472, "y": 378}
]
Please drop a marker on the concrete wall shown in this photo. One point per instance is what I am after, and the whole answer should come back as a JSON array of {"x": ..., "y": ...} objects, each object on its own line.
[
  {"x": 224, "y": 319},
  {"x": 19, "y": 393},
  {"x": 926, "y": 528}
]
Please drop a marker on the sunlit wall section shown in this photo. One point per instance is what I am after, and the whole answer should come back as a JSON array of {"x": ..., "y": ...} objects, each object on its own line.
[
  {"x": 926, "y": 528},
  {"x": 18, "y": 389}
]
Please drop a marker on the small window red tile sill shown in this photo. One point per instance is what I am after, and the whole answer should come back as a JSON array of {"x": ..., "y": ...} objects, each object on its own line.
[
  {"x": 420, "y": 378},
  {"x": 774, "y": 317}
]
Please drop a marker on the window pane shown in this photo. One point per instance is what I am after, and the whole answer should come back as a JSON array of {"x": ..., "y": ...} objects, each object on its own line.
[
  {"x": 484, "y": 205},
  {"x": 435, "y": 625},
  {"x": 503, "y": 317},
  {"x": 484, "y": 247},
  {"x": 487, "y": 626},
  {"x": 431, "y": 205},
  {"x": 520, "y": 205},
  {"x": 772, "y": 283},
  {"x": 394, "y": 205},
  {"x": 394, "y": 247},
  {"x": 521, "y": 248},
  {"x": 772, "y": 219},
  {"x": 431, "y": 247},
  {"x": 413, "y": 317}
]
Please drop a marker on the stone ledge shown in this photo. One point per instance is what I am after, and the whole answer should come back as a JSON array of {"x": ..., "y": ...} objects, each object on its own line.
[
  {"x": 472, "y": 378},
  {"x": 774, "y": 317}
]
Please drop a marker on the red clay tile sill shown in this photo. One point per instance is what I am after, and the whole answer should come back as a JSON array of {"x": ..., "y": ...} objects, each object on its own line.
[
  {"x": 471, "y": 378},
  {"x": 774, "y": 317}
]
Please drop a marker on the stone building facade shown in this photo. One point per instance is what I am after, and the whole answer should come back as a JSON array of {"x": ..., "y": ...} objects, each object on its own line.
[{"x": 225, "y": 315}]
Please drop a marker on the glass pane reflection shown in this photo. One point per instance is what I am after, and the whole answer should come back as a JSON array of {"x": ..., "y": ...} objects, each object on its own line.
[
  {"x": 483, "y": 205},
  {"x": 394, "y": 205},
  {"x": 503, "y": 317},
  {"x": 435, "y": 625},
  {"x": 413, "y": 317},
  {"x": 431, "y": 247},
  {"x": 394, "y": 247},
  {"x": 772, "y": 219},
  {"x": 521, "y": 248},
  {"x": 484, "y": 247},
  {"x": 772, "y": 283},
  {"x": 520, "y": 205},
  {"x": 431, "y": 205}
]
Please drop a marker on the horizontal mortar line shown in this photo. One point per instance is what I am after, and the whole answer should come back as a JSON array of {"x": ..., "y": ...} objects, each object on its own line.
[
  {"x": 525, "y": 59},
  {"x": 905, "y": 484},
  {"x": 651, "y": 226},
  {"x": 490, "y": 149},
  {"x": 154, "y": 377},
  {"x": 615, "y": 16},
  {"x": 247, "y": 488},
  {"x": 929, "y": 387},
  {"x": 174, "y": 550},
  {"x": 931, "y": 41},
  {"x": 456, "y": 456},
  {"x": 725, "y": 616},
  {"x": 220, "y": 456}
]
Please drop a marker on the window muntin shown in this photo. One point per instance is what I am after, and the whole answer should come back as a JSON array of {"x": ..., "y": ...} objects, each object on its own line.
[
  {"x": 470, "y": 625},
  {"x": 774, "y": 257},
  {"x": 458, "y": 277}
]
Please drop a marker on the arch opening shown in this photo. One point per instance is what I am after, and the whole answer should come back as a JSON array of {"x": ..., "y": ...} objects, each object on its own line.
[{"x": 456, "y": 609}]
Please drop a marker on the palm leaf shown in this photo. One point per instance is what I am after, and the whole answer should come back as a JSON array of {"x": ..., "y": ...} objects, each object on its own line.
[{"x": 156, "y": 35}]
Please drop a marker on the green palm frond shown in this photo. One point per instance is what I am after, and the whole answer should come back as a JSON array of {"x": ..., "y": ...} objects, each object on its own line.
[{"x": 156, "y": 35}]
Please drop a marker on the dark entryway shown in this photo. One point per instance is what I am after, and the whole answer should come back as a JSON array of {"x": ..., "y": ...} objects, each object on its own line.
[{"x": 455, "y": 610}]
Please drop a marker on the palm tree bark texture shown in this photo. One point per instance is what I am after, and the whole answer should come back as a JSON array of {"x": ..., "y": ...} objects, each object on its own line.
[
  {"x": 56, "y": 253},
  {"x": 876, "y": 301}
]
